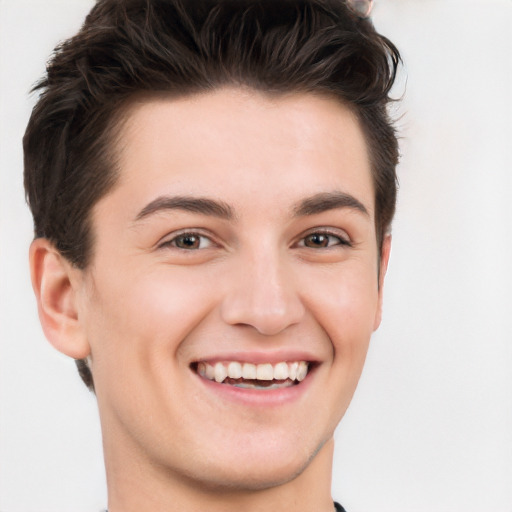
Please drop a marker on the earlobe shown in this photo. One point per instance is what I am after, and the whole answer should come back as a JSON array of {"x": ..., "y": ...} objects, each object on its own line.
[
  {"x": 384, "y": 260},
  {"x": 56, "y": 295}
]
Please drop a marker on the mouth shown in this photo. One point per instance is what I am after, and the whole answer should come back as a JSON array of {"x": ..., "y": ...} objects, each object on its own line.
[{"x": 263, "y": 376}]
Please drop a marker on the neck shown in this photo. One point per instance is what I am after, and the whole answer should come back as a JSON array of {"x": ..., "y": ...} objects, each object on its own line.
[{"x": 133, "y": 487}]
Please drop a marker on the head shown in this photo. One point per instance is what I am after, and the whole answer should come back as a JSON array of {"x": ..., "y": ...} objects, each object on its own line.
[{"x": 135, "y": 59}]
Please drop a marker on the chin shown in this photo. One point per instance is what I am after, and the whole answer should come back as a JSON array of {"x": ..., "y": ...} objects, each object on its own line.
[
  {"x": 250, "y": 479},
  {"x": 255, "y": 472}
]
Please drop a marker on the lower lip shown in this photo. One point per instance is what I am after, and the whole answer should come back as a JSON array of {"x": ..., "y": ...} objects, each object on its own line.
[{"x": 258, "y": 397}]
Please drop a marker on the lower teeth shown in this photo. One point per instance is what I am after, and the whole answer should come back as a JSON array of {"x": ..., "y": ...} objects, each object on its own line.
[{"x": 262, "y": 384}]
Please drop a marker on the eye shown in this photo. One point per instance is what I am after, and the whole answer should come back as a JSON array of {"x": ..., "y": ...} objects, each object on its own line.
[
  {"x": 189, "y": 241},
  {"x": 322, "y": 240}
]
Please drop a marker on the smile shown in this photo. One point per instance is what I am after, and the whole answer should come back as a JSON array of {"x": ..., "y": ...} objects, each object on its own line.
[{"x": 255, "y": 376}]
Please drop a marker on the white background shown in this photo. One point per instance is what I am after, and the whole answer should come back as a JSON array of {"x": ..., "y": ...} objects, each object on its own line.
[{"x": 430, "y": 428}]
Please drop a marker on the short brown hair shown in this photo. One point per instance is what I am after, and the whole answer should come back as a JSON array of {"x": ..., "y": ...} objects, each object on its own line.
[{"x": 128, "y": 47}]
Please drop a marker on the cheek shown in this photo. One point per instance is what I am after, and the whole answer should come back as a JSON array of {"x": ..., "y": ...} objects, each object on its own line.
[
  {"x": 345, "y": 307},
  {"x": 136, "y": 327},
  {"x": 147, "y": 314}
]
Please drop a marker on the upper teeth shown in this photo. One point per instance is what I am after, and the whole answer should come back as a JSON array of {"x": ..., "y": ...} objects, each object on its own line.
[{"x": 235, "y": 370}]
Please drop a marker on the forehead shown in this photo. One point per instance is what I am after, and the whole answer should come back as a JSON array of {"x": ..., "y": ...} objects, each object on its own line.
[{"x": 242, "y": 146}]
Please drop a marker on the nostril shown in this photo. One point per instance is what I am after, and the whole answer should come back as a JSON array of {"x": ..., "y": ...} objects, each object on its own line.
[{"x": 267, "y": 319}]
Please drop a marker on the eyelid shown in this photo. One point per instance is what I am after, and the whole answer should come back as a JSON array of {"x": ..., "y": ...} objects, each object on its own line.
[
  {"x": 168, "y": 239},
  {"x": 328, "y": 231}
]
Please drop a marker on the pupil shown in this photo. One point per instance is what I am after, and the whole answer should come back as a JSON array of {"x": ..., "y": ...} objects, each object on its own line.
[
  {"x": 318, "y": 240},
  {"x": 189, "y": 241}
]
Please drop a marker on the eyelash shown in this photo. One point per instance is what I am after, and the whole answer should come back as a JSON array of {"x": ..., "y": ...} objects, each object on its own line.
[
  {"x": 330, "y": 235},
  {"x": 341, "y": 240},
  {"x": 187, "y": 234}
]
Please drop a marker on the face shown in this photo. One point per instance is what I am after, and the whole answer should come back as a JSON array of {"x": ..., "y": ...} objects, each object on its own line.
[{"x": 234, "y": 284}]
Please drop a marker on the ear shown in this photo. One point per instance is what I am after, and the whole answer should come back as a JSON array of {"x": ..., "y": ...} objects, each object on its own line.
[
  {"x": 383, "y": 267},
  {"x": 55, "y": 282}
]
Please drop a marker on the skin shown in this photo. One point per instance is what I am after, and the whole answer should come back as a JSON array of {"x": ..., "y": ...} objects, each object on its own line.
[{"x": 255, "y": 284}]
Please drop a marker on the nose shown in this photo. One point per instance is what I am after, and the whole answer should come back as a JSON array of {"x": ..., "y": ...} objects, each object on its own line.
[{"x": 263, "y": 294}]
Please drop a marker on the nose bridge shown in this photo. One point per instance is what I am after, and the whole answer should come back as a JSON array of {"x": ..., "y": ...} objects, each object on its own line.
[{"x": 263, "y": 293}]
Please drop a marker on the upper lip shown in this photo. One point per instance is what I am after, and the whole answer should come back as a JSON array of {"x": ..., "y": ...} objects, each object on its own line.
[{"x": 258, "y": 357}]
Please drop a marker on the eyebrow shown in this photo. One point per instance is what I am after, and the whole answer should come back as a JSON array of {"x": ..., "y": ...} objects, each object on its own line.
[
  {"x": 313, "y": 205},
  {"x": 200, "y": 205},
  {"x": 326, "y": 201}
]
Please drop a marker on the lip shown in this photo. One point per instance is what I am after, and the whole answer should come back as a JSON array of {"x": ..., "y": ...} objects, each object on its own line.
[
  {"x": 258, "y": 357},
  {"x": 258, "y": 398}
]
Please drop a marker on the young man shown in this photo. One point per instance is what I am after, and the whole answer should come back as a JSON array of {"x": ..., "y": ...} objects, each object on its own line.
[{"x": 212, "y": 185}]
